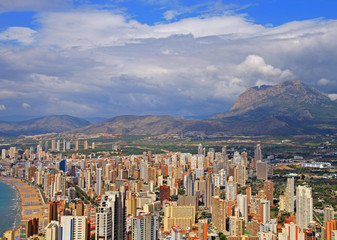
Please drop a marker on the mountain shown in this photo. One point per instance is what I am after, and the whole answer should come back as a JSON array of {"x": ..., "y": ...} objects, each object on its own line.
[
  {"x": 47, "y": 124},
  {"x": 302, "y": 108},
  {"x": 288, "y": 108},
  {"x": 156, "y": 125},
  {"x": 131, "y": 124}
]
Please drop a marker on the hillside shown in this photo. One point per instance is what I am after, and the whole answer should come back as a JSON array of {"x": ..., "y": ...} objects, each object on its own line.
[{"x": 47, "y": 124}]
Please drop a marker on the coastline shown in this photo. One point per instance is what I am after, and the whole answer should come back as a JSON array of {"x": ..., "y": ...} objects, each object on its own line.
[
  {"x": 16, "y": 222},
  {"x": 31, "y": 204}
]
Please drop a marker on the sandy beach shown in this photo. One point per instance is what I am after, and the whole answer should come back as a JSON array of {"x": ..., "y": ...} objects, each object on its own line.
[{"x": 30, "y": 201}]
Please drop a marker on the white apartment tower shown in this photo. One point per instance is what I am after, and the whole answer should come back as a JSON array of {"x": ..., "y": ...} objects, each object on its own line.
[
  {"x": 74, "y": 228},
  {"x": 304, "y": 207},
  {"x": 110, "y": 216},
  {"x": 98, "y": 181},
  {"x": 289, "y": 203},
  {"x": 231, "y": 189}
]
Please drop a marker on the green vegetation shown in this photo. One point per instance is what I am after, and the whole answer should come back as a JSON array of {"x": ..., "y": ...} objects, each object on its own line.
[
  {"x": 84, "y": 197},
  {"x": 222, "y": 236}
]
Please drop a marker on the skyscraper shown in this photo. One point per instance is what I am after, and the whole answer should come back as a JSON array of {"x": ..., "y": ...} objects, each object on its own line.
[
  {"x": 63, "y": 165},
  {"x": 110, "y": 216},
  {"x": 164, "y": 194},
  {"x": 262, "y": 170},
  {"x": 58, "y": 145},
  {"x": 85, "y": 144},
  {"x": 243, "y": 206},
  {"x": 304, "y": 206},
  {"x": 52, "y": 211},
  {"x": 53, "y": 145},
  {"x": 258, "y": 153},
  {"x": 328, "y": 214},
  {"x": 98, "y": 181},
  {"x": 74, "y": 228},
  {"x": 144, "y": 227},
  {"x": 76, "y": 145},
  {"x": 289, "y": 200},
  {"x": 269, "y": 191},
  {"x": 200, "y": 150},
  {"x": 265, "y": 207},
  {"x": 231, "y": 189}
]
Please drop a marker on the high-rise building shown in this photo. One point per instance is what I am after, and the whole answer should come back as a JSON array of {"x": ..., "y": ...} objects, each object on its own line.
[
  {"x": 52, "y": 211},
  {"x": 261, "y": 170},
  {"x": 243, "y": 206},
  {"x": 331, "y": 226},
  {"x": 79, "y": 209},
  {"x": 53, "y": 231},
  {"x": 144, "y": 227},
  {"x": 304, "y": 207},
  {"x": 85, "y": 144},
  {"x": 265, "y": 213},
  {"x": 131, "y": 206},
  {"x": 53, "y": 145},
  {"x": 64, "y": 145},
  {"x": 76, "y": 145},
  {"x": 258, "y": 153},
  {"x": 231, "y": 189},
  {"x": 290, "y": 231},
  {"x": 200, "y": 149},
  {"x": 182, "y": 216},
  {"x": 219, "y": 213},
  {"x": 236, "y": 226},
  {"x": 46, "y": 146},
  {"x": 328, "y": 214},
  {"x": 176, "y": 233},
  {"x": 58, "y": 145},
  {"x": 12, "y": 152},
  {"x": 289, "y": 195},
  {"x": 164, "y": 194},
  {"x": 63, "y": 165},
  {"x": 282, "y": 203},
  {"x": 3, "y": 154},
  {"x": 269, "y": 191},
  {"x": 74, "y": 228},
  {"x": 110, "y": 217},
  {"x": 29, "y": 228},
  {"x": 98, "y": 181}
]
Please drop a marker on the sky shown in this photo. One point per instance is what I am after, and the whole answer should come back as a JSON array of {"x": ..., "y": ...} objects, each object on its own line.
[{"x": 107, "y": 58}]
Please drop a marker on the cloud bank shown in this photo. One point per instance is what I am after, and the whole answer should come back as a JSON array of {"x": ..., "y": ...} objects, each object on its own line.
[{"x": 94, "y": 62}]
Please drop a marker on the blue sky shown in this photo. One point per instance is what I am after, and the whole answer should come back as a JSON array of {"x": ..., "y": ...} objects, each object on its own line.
[{"x": 183, "y": 58}]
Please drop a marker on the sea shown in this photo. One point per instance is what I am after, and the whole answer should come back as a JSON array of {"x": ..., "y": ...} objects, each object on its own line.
[{"x": 9, "y": 207}]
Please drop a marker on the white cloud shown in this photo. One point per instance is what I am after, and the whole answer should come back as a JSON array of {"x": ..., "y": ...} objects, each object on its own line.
[
  {"x": 92, "y": 29},
  {"x": 333, "y": 96},
  {"x": 22, "y": 35},
  {"x": 98, "y": 62},
  {"x": 25, "y": 105},
  {"x": 170, "y": 14},
  {"x": 32, "y": 5},
  {"x": 255, "y": 66},
  {"x": 323, "y": 82},
  {"x": 2, "y": 107}
]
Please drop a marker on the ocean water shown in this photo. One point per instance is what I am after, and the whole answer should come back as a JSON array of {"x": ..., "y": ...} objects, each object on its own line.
[{"x": 9, "y": 207}]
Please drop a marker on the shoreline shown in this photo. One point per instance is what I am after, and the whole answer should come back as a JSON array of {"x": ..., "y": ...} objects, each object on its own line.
[
  {"x": 31, "y": 204},
  {"x": 19, "y": 205}
]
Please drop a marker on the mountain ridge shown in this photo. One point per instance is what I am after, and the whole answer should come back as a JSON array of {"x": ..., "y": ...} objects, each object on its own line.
[
  {"x": 41, "y": 125},
  {"x": 287, "y": 108}
]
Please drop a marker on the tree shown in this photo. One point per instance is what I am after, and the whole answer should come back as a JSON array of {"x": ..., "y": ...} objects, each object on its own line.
[{"x": 222, "y": 236}]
